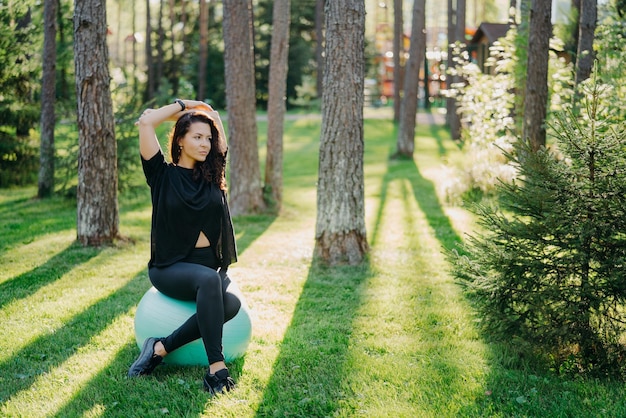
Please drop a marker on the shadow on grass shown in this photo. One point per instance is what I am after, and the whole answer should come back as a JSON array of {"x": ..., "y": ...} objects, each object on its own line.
[
  {"x": 23, "y": 219},
  {"x": 428, "y": 201},
  {"x": 426, "y": 197},
  {"x": 249, "y": 228},
  {"x": 440, "y": 355},
  {"x": 436, "y": 132},
  {"x": 170, "y": 391},
  {"x": 31, "y": 281},
  {"x": 175, "y": 389},
  {"x": 50, "y": 351},
  {"x": 317, "y": 339}
]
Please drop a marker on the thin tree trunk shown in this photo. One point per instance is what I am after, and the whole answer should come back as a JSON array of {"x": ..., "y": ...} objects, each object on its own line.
[
  {"x": 160, "y": 53},
  {"x": 245, "y": 178},
  {"x": 151, "y": 85},
  {"x": 587, "y": 27},
  {"x": 417, "y": 51},
  {"x": 398, "y": 61},
  {"x": 319, "y": 45},
  {"x": 340, "y": 235},
  {"x": 536, "y": 99},
  {"x": 204, "y": 39},
  {"x": 276, "y": 103},
  {"x": 459, "y": 36},
  {"x": 97, "y": 218},
  {"x": 174, "y": 61},
  {"x": 459, "y": 27},
  {"x": 46, "y": 170},
  {"x": 450, "y": 102}
]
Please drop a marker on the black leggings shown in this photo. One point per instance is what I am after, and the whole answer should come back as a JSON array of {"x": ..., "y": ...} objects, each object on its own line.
[{"x": 196, "y": 279}]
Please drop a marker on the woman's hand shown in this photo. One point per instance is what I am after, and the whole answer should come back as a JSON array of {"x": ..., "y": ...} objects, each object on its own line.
[{"x": 197, "y": 105}]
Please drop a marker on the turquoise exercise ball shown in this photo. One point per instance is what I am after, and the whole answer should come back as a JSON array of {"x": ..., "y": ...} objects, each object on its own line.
[{"x": 158, "y": 315}]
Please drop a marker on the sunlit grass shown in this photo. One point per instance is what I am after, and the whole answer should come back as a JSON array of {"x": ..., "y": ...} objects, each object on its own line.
[
  {"x": 71, "y": 375},
  {"x": 391, "y": 338},
  {"x": 21, "y": 259}
]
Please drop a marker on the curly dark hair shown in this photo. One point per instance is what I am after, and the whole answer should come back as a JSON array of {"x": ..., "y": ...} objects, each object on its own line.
[{"x": 213, "y": 169}]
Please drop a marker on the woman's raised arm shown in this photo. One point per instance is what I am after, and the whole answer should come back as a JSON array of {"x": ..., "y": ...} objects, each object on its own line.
[{"x": 151, "y": 118}]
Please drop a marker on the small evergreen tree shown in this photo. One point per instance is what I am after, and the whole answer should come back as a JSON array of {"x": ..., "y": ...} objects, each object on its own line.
[{"x": 549, "y": 267}]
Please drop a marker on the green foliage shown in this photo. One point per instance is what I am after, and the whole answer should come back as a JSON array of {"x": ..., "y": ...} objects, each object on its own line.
[
  {"x": 126, "y": 136},
  {"x": 549, "y": 268},
  {"x": 306, "y": 95},
  {"x": 301, "y": 59},
  {"x": 19, "y": 161},
  {"x": 490, "y": 108},
  {"x": 485, "y": 103},
  {"x": 609, "y": 46},
  {"x": 20, "y": 65}
]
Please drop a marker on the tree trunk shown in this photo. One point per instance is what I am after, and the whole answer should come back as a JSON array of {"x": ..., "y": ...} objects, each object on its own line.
[
  {"x": 319, "y": 45},
  {"x": 340, "y": 235},
  {"x": 450, "y": 102},
  {"x": 417, "y": 51},
  {"x": 174, "y": 62},
  {"x": 245, "y": 178},
  {"x": 97, "y": 220},
  {"x": 159, "y": 46},
  {"x": 459, "y": 36},
  {"x": 204, "y": 49},
  {"x": 536, "y": 98},
  {"x": 398, "y": 59},
  {"x": 46, "y": 169},
  {"x": 456, "y": 33},
  {"x": 276, "y": 103},
  {"x": 459, "y": 27},
  {"x": 586, "y": 30},
  {"x": 151, "y": 85}
]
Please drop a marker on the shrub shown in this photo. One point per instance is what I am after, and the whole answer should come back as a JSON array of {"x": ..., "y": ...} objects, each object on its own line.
[
  {"x": 549, "y": 268},
  {"x": 490, "y": 114},
  {"x": 19, "y": 160}
]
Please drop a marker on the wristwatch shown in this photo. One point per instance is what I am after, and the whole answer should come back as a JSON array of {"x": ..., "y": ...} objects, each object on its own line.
[{"x": 181, "y": 103}]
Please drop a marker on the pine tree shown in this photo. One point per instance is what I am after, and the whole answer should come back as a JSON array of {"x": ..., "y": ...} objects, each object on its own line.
[{"x": 549, "y": 267}]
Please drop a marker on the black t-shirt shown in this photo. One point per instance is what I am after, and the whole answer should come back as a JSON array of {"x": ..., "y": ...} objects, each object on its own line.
[{"x": 181, "y": 208}]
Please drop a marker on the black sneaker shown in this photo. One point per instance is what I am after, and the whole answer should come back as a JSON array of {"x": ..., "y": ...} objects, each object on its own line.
[
  {"x": 216, "y": 383},
  {"x": 147, "y": 360}
]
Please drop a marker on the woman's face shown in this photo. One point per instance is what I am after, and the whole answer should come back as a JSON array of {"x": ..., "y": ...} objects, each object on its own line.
[{"x": 195, "y": 145}]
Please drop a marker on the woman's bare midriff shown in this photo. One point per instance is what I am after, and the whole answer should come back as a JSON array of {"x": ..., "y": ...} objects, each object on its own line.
[{"x": 203, "y": 241}]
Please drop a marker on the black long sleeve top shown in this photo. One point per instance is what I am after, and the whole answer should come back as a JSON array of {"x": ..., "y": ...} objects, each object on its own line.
[{"x": 181, "y": 208}]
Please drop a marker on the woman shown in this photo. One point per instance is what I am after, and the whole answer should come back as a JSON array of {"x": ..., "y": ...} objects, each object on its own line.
[{"x": 192, "y": 240}]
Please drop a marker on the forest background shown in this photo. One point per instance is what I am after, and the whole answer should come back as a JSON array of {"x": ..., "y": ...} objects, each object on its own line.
[
  {"x": 145, "y": 74},
  {"x": 177, "y": 68}
]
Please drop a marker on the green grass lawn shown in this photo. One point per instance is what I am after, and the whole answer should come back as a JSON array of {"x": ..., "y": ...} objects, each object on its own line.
[{"x": 391, "y": 338}]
